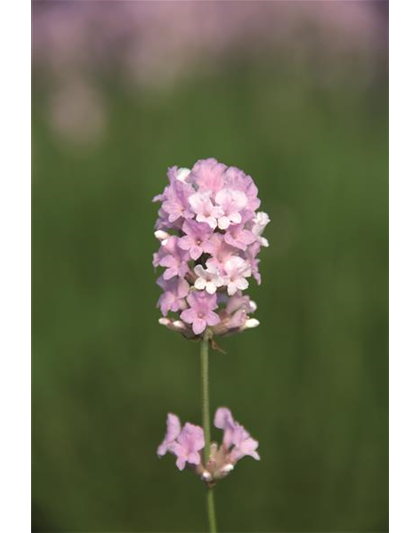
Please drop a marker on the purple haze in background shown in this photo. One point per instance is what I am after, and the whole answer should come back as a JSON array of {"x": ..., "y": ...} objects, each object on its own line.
[{"x": 157, "y": 44}]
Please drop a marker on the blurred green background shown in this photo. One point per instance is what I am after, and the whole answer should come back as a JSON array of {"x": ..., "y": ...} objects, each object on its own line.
[{"x": 311, "y": 383}]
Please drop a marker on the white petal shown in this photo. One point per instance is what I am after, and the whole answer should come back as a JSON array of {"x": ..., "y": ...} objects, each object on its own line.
[
  {"x": 212, "y": 269},
  {"x": 242, "y": 284},
  {"x": 227, "y": 468},
  {"x": 182, "y": 174},
  {"x": 223, "y": 223},
  {"x": 235, "y": 218},
  {"x": 200, "y": 284},
  {"x": 161, "y": 235},
  {"x": 234, "y": 263},
  {"x": 251, "y": 323},
  {"x": 210, "y": 287},
  {"x": 240, "y": 199},
  {"x": 231, "y": 289},
  {"x": 211, "y": 221},
  {"x": 206, "y": 476},
  {"x": 199, "y": 270},
  {"x": 222, "y": 196},
  {"x": 218, "y": 281},
  {"x": 196, "y": 202}
]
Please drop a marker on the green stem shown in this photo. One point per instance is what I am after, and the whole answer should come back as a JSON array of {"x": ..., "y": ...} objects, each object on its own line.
[
  {"x": 211, "y": 511},
  {"x": 205, "y": 405},
  {"x": 205, "y": 401}
]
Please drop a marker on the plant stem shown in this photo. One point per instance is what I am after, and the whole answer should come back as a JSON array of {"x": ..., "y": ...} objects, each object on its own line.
[
  {"x": 205, "y": 401},
  {"x": 211, "y": 511},
  {"x": 205, "y": 406}
]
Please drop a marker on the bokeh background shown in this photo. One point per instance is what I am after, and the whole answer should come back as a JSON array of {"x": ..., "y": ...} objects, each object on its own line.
[{"x": 296, "y": 94}]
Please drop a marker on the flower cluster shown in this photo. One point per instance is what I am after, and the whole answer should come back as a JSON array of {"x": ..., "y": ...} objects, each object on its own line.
[
  {"x": 187, "y": 444},
  {"x": 210, "y": 235}
]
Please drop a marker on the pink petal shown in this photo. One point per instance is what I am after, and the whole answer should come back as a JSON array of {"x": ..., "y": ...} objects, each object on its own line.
[
  {"x": 188, "y": 315},
  {"x": 198, "y": 326},
  {"x": 212, "y": 318},
  {"x": 180, "y": 463}
]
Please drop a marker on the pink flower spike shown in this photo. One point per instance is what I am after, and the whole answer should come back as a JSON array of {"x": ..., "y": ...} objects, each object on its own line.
[
  {"x": 187, "y": 446},
  {"x": 210, "y": 235},
  {"x": 201, "y": 314},
  {"x": 173, "y": 429},
  {"x": 231, "y": 203}
]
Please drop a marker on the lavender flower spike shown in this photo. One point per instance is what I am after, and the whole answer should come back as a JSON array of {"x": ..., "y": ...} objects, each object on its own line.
[{"x": 210, "y": 235}]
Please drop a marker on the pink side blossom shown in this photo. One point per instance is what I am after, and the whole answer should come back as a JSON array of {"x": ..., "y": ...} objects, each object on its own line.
[
  {"x": 236, "y": 438},
  {"x": 173, "y": 429},
  {"x": 244, "y": 445},
  {"x": 185, "y": 443},
  {"x": 188, "y": 444}
]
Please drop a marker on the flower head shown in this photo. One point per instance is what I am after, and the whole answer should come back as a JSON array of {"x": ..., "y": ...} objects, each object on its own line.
[{"x": 210, "y": 235}]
